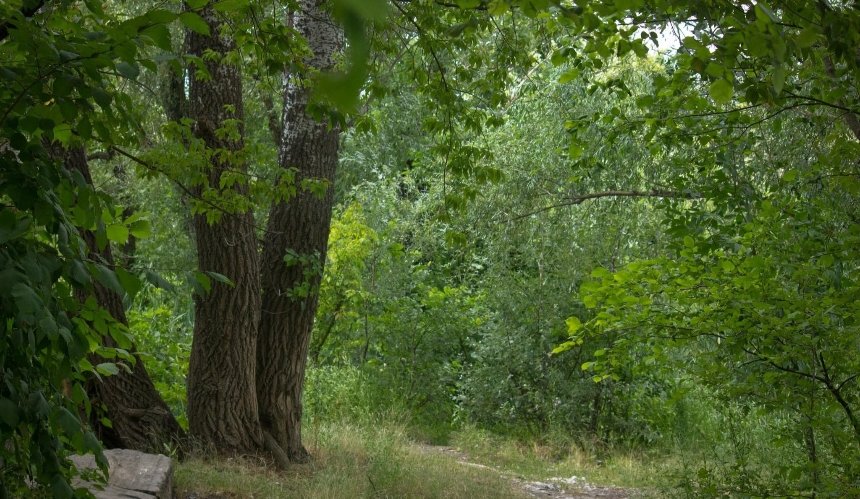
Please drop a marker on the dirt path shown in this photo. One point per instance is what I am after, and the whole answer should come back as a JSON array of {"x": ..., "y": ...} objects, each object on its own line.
[{"x": 555, "y": 488}]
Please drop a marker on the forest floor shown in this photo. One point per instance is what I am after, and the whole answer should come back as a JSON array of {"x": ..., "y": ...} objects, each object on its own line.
[{"x": 572, "y": 487}]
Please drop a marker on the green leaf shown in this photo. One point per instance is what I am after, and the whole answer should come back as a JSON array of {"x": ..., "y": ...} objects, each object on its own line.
[
  {"x": 498, "y": 7},
  {"x": 567, "y": 345},
  {"x": 158, "y": 281},
  {"x": 9, "y": 412},
  {"x": 568, "y": 76},
  {"x": 140, "y": 229},
  {"x": 789, "y": 176},
  {"x": 26, "y": 299},
  {"x": 95, "y": 7},
  {"x": 640, "y": 49},
  {"x": 60, "y": 488},
  {"x": 158, "y": 16},
  {"x": 589, "y": 301},
  {"x": 63, "y": 85},
  {"x": 369, "y": 10},
  {"x": 221, "y": 278},
  {"x": 231, "y": 5},
  {"x": 10, "y": 226},
  {"x": 107, "y": 369},
  {"x": 160, "y": 36},
  {"x": 721, "y": 91},
  {"x": 203, "y": 281},
  {"x": 63, "y": 133},
  {"x": 194, "y": 22},
  {"x": 117, "y": 233},
  {"x": 68, "y": 422},
  {"x": 778, "y": 79},
  {"x": 601, "y": 273},
  {"x": 763, "y": 12},
  {"x": 573, "y": 324},
  {"x": 128, "y": 70},
  {"x": 108, "y": 278},
  {"x": 807, "y": 37},
  {"x": 129, "y": 282},
  {"x": 715, "y": 70}
]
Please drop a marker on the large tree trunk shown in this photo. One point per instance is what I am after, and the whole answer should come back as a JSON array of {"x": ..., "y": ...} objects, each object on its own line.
[
  {"x": 139, "y": 417},
  {"x": 222, "y": 400},
  {"x": 299, "y": 226}
]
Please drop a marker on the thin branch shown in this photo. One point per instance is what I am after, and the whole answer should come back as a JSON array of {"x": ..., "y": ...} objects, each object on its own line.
[
  {"x": 785, "y": 369},
  {"x": 574, "y": 200},
  {"x": 821, "y": 102},
  {"x": 846, "y": 381},
  {"x": 480, "y": 6},
  {"x": 102, "y": 155},
  {"x": 179, "y": 184}
]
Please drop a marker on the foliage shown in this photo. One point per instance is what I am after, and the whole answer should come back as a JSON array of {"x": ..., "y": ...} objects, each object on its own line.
[
  {"x": 163, "y": 338},
  {"x": 60, "y": 68},
  {"x": 760, "y": 287}
]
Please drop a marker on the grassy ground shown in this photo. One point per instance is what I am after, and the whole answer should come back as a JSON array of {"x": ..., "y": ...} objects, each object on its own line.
[{"x": 349, "y": 461}]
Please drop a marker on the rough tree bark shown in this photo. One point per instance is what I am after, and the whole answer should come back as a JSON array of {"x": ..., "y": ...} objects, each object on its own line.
[
  {"x": 300, "y": 225},
  {"x": 139, "y": 417},
  {"x": 222, "y": 400}
]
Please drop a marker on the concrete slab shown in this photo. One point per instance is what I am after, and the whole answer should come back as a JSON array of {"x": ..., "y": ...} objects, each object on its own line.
[{"x": 133, "y": 475}]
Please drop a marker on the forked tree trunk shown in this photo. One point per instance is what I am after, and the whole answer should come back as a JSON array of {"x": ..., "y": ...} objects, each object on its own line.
[
  {"x": 139, "y": 417},
  {"x": 299, "y": 226},
  {"x": 222, "y": 400}
]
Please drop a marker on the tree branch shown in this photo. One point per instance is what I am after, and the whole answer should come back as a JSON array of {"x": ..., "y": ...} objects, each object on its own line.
[
  {"x": 574, "y": 200},
  {"x": 102, "y": 155}
]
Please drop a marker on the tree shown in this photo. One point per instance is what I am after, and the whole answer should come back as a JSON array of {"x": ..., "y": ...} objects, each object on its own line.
[
  {"x": 138, "y": 417},
  {"x": 294, "y": 249},
  {"x": 223, "y": 412}
]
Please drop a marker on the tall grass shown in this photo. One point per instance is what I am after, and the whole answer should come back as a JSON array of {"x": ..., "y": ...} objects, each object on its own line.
[{"x": 349, "y": 461}]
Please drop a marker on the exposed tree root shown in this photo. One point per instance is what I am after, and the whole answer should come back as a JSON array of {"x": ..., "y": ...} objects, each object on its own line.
[{"x": 275, "y": 449}]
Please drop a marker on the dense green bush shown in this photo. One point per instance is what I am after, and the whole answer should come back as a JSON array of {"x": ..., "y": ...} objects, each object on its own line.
[{"x": 162, "y": 332}]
